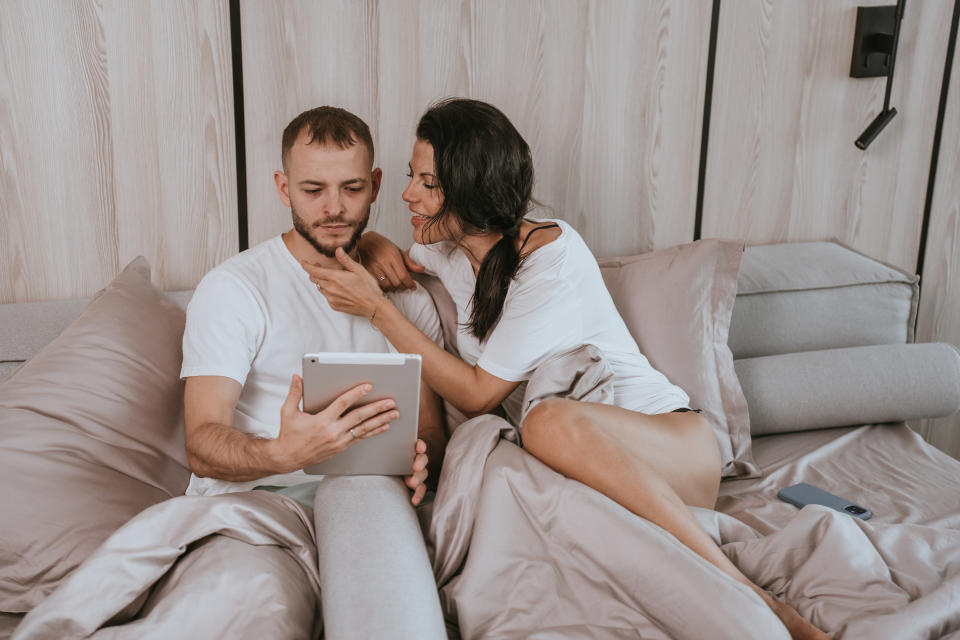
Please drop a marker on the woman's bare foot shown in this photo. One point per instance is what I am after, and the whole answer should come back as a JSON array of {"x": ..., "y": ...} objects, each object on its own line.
[{"x": 799, "y": 627}]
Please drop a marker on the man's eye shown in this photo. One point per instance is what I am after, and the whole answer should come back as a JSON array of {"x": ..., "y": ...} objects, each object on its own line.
[
  {"x": 409, "y": 174},
  {"x": 355, "y": 189},
  {"x": 312, "y": 190}
]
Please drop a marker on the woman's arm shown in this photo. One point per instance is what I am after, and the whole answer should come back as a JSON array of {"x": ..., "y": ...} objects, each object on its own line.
[
  {"x": 352, "y": 290},
  {"x": 470, "y": 389}
]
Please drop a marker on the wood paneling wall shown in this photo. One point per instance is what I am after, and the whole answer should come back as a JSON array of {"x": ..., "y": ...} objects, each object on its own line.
[
  {"x": 782, "y": 165},
  {"x": 609, "y": 94},
  {"x": 939, "y": 314},
  {"x": 117, "y": 126},
  {"x": 116, "y": 139}
]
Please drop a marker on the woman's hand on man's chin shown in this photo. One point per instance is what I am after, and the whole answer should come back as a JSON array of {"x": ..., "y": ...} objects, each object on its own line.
[{"x": 350, "y": 289}]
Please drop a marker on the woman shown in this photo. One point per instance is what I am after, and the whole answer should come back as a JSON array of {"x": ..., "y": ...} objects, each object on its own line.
[{"x": 526, "y": 290}]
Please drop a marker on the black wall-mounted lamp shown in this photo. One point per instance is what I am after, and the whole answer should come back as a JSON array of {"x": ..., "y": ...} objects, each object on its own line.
[{"x": 875, "y": 54}]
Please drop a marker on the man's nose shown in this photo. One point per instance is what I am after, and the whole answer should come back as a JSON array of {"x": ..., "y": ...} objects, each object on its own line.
[{"x": 332, "y": 202}]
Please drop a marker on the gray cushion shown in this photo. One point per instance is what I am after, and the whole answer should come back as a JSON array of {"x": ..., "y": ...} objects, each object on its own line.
[
  {"x": 808, "y": 296},
  {"x": 26, "y": 327},
  {"x": 6, "y": 368},
  {"x": 858, "y": 385}
]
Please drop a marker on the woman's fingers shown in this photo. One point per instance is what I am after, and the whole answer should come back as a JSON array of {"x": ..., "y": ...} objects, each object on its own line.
[
  {"x": 385, "y": 276},
  {"x": 392, "y": 265},
  {"x": 386, "y": 284},
  {"x": 332, "y": 284},
  {"x": 412, "y": 264},
  {"x": 324, "y": 274},
  {"x": 321, "y": 275},
  {"x": 311, "y": 268},
  {"x": 348, "y": 263},
  {"x": 399, "y": 277}
]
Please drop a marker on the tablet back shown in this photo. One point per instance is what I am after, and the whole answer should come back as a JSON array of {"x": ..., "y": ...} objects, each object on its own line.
[{"x": 393, "y": 375}]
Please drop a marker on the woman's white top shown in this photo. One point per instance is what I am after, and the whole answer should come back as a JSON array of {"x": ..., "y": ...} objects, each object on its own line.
[{"x": 557, "y": 302}]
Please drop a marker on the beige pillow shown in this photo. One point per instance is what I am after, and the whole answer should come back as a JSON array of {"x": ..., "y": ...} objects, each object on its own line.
[
  {"x": 90, "y": 435},
  {"x": 677, "y": 303}
]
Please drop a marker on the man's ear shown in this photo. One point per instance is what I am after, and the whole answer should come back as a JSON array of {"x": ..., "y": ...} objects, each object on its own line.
[
  {"x": 375, "y": 178},
  {"x": 283, "y": 186}
]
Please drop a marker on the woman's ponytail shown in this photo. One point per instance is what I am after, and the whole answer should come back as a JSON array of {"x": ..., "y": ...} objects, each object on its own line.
[{"x": 496, "y": 271}]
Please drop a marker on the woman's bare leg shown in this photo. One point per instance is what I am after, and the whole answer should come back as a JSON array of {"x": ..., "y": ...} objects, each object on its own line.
[{"x": 654, "y": 465}]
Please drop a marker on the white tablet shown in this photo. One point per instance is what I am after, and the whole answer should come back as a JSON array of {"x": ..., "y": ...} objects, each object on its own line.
[{"x": 393, "y": 375}]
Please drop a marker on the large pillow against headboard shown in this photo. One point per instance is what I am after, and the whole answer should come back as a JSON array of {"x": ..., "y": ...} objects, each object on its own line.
[
  {"x": 90, "y": 435},
  {"x": 677, "y": 303}
]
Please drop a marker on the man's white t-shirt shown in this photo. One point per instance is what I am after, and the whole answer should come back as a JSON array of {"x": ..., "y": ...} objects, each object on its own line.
[
  {"x": 557, "y": 302},
  {"x": 252, "y": 318}
]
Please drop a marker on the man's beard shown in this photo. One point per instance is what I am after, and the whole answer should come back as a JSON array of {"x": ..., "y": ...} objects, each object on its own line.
[{"x": 330, "y": 251}]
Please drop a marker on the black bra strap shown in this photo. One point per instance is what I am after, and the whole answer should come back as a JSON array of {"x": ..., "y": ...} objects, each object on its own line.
[{"x": 530, "y": 233}]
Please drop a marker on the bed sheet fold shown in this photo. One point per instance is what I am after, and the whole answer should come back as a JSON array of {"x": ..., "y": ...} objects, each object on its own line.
[{"x": 241, "y": 565}]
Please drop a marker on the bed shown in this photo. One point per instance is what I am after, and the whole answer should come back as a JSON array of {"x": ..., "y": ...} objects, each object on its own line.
[{"x": 801, "y": 355}]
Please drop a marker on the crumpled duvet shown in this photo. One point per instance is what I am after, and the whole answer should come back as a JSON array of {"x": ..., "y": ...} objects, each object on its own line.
[
  {"x": 519, "y": 552},
  {"x": 239, "y": 566},
  {"x": 523, "y": 552}
]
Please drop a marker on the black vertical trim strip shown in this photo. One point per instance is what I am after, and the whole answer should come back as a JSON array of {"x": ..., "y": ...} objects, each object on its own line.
[
  {"x": 707, "y": 106},
  {"x": 938, "y": 131},
  {"x": 238, "y": 123}
]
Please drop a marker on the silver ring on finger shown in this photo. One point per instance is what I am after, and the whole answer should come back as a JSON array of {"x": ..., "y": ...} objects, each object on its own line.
[
  {"x": 382, "y": 277},
  {"x": 353, "y": 433}
]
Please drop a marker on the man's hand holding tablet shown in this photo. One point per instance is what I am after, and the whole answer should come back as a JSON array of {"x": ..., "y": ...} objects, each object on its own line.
[
  {"x": 307, "y": 438},
  {"x": 361, "y": 395}
]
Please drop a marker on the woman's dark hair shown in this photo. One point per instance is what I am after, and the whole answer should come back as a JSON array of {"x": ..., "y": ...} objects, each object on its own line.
[{"x": 485, "y": 172}]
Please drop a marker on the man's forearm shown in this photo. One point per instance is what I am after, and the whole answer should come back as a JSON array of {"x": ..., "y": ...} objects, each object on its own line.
[{"x": 222, "y": 452}]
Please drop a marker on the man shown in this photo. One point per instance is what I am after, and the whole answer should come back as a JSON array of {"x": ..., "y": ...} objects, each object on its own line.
[{"x": 249, "y": 322}]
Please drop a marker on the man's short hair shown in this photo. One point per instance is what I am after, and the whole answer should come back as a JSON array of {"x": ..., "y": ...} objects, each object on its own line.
[{"x": 327, "y": 125}]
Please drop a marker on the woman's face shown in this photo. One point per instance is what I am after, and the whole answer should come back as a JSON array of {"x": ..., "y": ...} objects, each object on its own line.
[{"x": 424, "y": 196}]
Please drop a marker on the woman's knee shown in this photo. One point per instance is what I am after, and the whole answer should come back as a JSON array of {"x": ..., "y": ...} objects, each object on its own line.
[{"x": 550, "y": 422}]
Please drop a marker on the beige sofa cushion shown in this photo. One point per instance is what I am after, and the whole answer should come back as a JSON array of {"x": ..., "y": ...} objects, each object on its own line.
[{"x": 811, "y": 296}]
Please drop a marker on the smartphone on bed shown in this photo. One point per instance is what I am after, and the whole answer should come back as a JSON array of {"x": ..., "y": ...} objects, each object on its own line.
[
  {"x": 393, "y": 375},
  {"x": 800, "y": 495}
]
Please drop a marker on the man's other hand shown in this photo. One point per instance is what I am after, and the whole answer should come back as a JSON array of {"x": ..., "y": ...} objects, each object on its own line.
[{"x": 416, "y": 480}]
